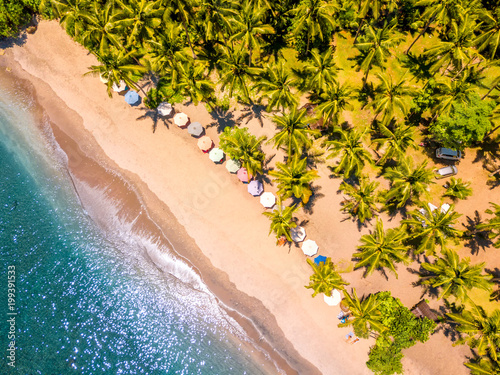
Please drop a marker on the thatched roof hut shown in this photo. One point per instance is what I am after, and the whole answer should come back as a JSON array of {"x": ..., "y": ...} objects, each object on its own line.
[{"x": 422, "y": 309}]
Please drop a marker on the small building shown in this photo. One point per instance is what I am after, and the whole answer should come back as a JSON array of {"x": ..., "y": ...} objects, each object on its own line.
[{"x": 422, "y": 309}]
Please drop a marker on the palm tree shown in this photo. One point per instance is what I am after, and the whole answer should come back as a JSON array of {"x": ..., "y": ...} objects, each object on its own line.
[
  {"x": 184, "y": 10},
  {"x": 362, "y": 199},
  {"x": 235, "y": 73},
  {"x": 215, "y": 18},
  {"x": 319, "y": 71},
  {"x": 276, "y": 82},
  {"x": 293, "y": 131},
  {"x": 489, "y": 36},
  {"x": 442, "y": 11},
  {"x": 484, "y": 366},
  {"x": 457, "y": 189},
  {"x": 193, "y": 82},
  {"x": 117, "y": 67},
  {"x": 333, "y": 100},
  {"x": 382, "y": 249},
  {"x": 325, "y": 279},
  {"x": 282, "y": 221},
  {"x": 72, "y": 15},
  {"x": 456, "y": 48},
  {"x": 315, "y": 17},
  {"x": 390, "y": 96},
  {"x": 455, "y": 276},
  {"x": 101, "y": 33},
  {"x": 249, "y": 27},
  {"x": 493, "y": 224},
  {"x": 365, "y": 314},
  {"x": 166, "y": 50},
  {"x": 433, "y": 227},
  {"x": 482, "y": 331},
  {"x": 375, "y": 46},
  {"x": 407, "y": 182},
  {"x": 239, "y": 144},
  {"x": 396, "y": 142},
  {"x": 294, "y": 179},
  {"x": 353, "y": 156},
  {"x": 140, "y": 18},
  {"x": 450, "y": 91}
]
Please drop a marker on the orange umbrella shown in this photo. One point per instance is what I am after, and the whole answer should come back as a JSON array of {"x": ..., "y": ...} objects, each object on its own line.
[{"x": 205, "y": 143}]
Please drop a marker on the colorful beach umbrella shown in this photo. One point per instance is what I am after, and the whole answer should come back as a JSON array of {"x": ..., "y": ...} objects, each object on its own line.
[
  {"x": 233, "y": 165},
  {"x": 216, "y": 155},
  {"x": 255, "y": 188},
  {"x": 195, "y": 129},
  {"x": 267, "y": 199},
  {"x": 334, "y": 299},
  {"x": 310, "y": 247},
  {"x": 298, "y": 234},
  {"x": 319, "y": 259},
  {"x": 165, "y": 109},
  {"x": 119, "y": 87},
  {"x": 242, "y": 175},
  {"x": 181, "y": 119},
  {"x": 205, "y": 143},
  {"x": 132, "y": 97}
]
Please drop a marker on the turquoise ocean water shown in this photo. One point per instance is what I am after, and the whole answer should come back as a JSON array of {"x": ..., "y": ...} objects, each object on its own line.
[{"x": 87, "y": 303}]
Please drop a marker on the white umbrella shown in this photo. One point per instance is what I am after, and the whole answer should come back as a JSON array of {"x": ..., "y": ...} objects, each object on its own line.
[
  {"x": 181, "y": 119},
  {"x": 268, "y": 200},
  {"x": 216, "y": 155},
  {"x": 195, "y": 129},
  {"x": 121, "y": 86},
  {"x": 233, "y": 165},
  {"x": 165, "y": 109},
  {"x": 310, "y": 247},
  {"x": 335, "y": 298},
  {"x": 298, "y": 234}
]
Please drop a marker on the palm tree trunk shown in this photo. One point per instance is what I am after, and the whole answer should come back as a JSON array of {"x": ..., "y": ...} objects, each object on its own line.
[
  {"x": 492, "y": 131},
  {"x": 188, "y": 37},
  {"x": 249, "y": 56},
  {"x": 489, "y": 91},
  {"x": 359, "y": 29},
  {"x": 422, "y": 33},
  {"x": 308, "y": 39}
]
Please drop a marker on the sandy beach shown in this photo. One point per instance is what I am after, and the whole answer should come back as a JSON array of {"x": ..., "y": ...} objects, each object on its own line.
[{"x": 208, "y": 216}]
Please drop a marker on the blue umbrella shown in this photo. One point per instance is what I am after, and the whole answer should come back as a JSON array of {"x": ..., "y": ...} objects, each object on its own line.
[
  {"x": 255, "y": 188},
  {"x": 319, "y": 259},
  {"x": 132, "y": 97}
]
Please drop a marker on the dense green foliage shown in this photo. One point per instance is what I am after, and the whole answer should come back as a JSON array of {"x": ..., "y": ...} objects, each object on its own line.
[
  {"x": 466, "y": 123},
  {"x": 14, "y": 14}
]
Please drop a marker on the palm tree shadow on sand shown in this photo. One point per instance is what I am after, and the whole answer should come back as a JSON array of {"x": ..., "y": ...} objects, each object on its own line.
[
  {"x": 222, "y": 119},
  {"x": 153, "y": 115},
  {"x": 254, "y": 111},
  {"x": 474, "y": 239}
]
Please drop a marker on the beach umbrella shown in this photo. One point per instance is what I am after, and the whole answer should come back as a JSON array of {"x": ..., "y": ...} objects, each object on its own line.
[
  {"x": 119, "y": 87},
  {"x": 195, "y": 129},
  {"x": 165, "y": 109},
  {"x": 319, "y": 259},
  {"x": 310, "y": 247},
  {"x": 181, "y": 119},
  {"x": 205, "y": 143},
  {"x": 233, "y": 165},
  {"x": 242, "y": 174},
  {"x": 132, "y": 97},
  {"x": 255, "y": 188},
  {"x": 334, "y": 299},
  {"x": 298, "y": 234},
  {"x": 216, "y": 155},
  {"x": 267, "y": 199}
]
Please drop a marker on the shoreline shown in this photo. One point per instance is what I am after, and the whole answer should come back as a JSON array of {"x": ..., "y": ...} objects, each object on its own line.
[{"x": 99, "y": 171}]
